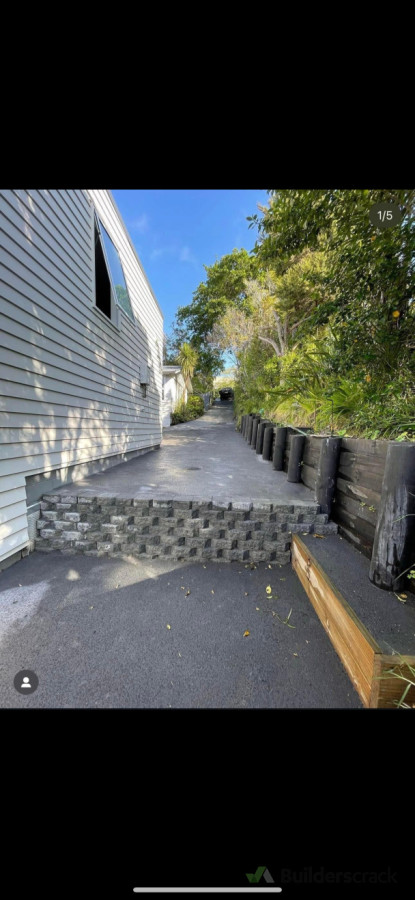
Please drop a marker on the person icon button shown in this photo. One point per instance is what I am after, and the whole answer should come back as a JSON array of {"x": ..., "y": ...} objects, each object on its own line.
[{"x": 26, "y": 681}]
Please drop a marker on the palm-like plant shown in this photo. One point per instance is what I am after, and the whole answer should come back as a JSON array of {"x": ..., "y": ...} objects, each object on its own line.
[{"x": 187, "y": 358}]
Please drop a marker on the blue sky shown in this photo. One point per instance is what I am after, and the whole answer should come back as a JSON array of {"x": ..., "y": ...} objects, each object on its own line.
[{"x": 176, "y": 232}]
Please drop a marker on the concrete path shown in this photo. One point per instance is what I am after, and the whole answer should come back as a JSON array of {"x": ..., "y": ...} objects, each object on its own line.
[
  {"x": 205, "y": 459},
  {"x": 95, "y": 633}
]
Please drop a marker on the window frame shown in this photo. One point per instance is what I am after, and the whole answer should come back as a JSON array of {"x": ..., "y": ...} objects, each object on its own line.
[{"x": 115, "y": 306}]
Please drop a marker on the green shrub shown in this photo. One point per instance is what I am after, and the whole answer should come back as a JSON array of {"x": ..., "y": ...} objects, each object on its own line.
[
  {"x": 195, "y": 406},
  {"x": 184, "y": 412}
]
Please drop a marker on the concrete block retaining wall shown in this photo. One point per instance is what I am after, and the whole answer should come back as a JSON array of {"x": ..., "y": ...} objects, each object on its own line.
[{"x": 180, "y": 529}]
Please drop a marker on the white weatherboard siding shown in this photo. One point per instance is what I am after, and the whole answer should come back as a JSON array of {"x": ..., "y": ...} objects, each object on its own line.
[
  {"x": 174, "y": 389},
  {"x": 70, "y": 386}
]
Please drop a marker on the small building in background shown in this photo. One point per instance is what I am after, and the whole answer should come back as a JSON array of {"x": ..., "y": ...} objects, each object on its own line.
[{"x": 175, "y": 389}]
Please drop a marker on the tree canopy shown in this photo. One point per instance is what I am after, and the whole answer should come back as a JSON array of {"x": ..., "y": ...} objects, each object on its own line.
[{"x": 320, "y": 315}]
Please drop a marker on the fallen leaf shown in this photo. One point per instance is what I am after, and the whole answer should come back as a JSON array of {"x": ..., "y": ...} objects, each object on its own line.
[
  {"x": 307, "y": 642},
  {"x": 295, "y": 654},
  {"x": 304, "y": 533},
  {"x": 204, "y": 567},
  {"x": 270, "y": 567},
  {"x": 257, "y": 608},
  {"x": 285, "y": 621},
  {"x": 318, "y": 535},
  {"x": 402, "y": 596},
  {"x": 282, "y": 579},
  {"x": 212, "y": 592},
  {"x": 180, "y": 655},
  {"x": 268, "y": 589},
  {"x": 182, "y": 588},
  {"x": 187, "y": 593},
  {"x": 245, "y": 634},
  {"x": 168, "y": 626},
  {"x": 91, "y": 607},
  {"x": 246, "y": 593},
  {"x": 20, "y": 585}
]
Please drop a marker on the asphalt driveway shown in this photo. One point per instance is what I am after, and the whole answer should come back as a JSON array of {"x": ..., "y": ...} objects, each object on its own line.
[
  {"x": 205, "y": 458},
  {"x": 96, "y": 634}
]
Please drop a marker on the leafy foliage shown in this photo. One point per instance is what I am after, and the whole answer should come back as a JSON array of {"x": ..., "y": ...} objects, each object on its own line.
[
  {"x": 319, "y": 317},
  {"x": 184, "y": 412}
]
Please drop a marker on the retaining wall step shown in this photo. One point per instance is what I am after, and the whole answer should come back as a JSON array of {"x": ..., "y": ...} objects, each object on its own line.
[{"x": 180, "y": 529}]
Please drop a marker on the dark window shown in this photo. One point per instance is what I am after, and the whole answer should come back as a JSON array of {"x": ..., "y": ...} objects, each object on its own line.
[{"x": 102, "y": 282}]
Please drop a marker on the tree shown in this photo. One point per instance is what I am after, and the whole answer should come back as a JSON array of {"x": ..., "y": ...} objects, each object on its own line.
[
  {"x": 172, "y": 343},
  {"x": 223, "y": 286},
  {"x": 276, "y": 306},
  {"x": 365, "y": 262},
  {"x": 187, "y": 360}
]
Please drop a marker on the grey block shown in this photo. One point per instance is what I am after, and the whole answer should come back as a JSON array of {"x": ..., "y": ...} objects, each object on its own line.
[
  {"x": 283, "y": 558},
  {"x": 110, "y": 527},
  {"x": 96, "y": 554},
  {"x": 122, "y": 520},
  {"x": 330, "y": 528},
  {"x": 298, "y": 527},
  {"x": 258, "y": 555},
  {"x": 276, "y": 547}
]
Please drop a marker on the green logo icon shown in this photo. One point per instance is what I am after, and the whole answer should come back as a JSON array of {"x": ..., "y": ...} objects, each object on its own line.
[{"x": 261, "y": 872}]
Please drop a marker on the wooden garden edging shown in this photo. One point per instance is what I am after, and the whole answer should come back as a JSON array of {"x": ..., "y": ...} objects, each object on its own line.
[{"x": 359, "y": 652}]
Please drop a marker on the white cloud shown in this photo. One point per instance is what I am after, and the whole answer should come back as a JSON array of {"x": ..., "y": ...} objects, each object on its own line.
[
  {"x": 140, "y": 224},
  {"x": 183, "y": 253},
  {"x": 158, "y": 251},
  {"x": 187, "y": 256}
]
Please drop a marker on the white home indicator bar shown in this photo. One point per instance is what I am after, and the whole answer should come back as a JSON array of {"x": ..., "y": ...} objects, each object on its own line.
[{"x": 207, "y": 890}]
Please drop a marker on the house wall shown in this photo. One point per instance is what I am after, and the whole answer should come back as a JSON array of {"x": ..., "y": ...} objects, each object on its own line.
[
  {"x": 70, "y": 394},
  {"x": 174, "y": 390}
]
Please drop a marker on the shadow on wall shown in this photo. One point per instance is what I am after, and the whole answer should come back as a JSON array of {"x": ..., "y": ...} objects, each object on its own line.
[{"x": 73, "y": 398}]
